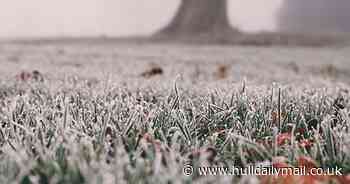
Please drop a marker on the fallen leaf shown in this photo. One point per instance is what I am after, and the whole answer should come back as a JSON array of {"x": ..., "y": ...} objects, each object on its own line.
[
  {"x": 306, "y": 143},
  {"x": 152, "y": 72},
  {"x": 24, "y": 76},
  {"x": 283, "y": 139},
  {"x": 222, "y": 71},
  {"x": 37, "y": 76}
]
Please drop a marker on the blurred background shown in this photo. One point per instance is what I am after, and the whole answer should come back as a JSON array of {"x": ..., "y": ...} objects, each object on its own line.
[
  {"x": 215, "y": 25},
  {"x": 47, "y": 18}
]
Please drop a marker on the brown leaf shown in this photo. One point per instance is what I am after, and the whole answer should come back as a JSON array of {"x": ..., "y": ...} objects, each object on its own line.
[
  {"x": 306, "y": 143},
  {"x": 222, "y": 71},
  {"x": 24, "y": 76},
  {"x": 152, "y": 72},
  {"x": 37, "y": 76},
  {"x": 283, "y": 138}
]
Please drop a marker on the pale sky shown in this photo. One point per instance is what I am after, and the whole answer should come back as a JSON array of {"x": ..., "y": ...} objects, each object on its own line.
[{"x": 36, "y": 18}]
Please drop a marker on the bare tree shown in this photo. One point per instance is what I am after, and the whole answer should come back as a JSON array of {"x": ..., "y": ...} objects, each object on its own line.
[
  {"x": 206, "y": 21},
  {"x": 200, "y": 17}
]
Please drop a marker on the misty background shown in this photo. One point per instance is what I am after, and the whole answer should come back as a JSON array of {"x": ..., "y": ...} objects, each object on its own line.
[{"x": 46, "y": 18}]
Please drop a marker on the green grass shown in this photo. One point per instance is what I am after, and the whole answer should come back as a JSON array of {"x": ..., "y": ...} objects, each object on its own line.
[{"x": 78, "y": 133}]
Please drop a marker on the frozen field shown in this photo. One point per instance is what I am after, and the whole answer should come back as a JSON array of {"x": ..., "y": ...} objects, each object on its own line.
[
  {"x": 195, "y": 64},
  {"x": 131, "y": 113}
]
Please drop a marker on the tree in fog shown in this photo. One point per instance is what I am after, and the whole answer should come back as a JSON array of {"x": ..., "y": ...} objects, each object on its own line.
[
  {"x": 314, "y": 16},
  {"x": 200, "y": 17}
]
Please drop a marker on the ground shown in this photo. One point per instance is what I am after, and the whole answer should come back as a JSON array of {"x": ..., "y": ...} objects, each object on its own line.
[{"x": 84, "y": 112}]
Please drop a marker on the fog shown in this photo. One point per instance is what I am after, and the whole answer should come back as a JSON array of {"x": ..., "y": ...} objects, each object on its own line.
[
  {"x": 42, "y": 18},
  {"x": 315, "y": 16}
]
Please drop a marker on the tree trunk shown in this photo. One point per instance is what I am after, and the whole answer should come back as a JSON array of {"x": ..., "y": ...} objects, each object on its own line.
[
  {"x": 314, "y": 16},
  {"x": 199, "y": 17}
]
